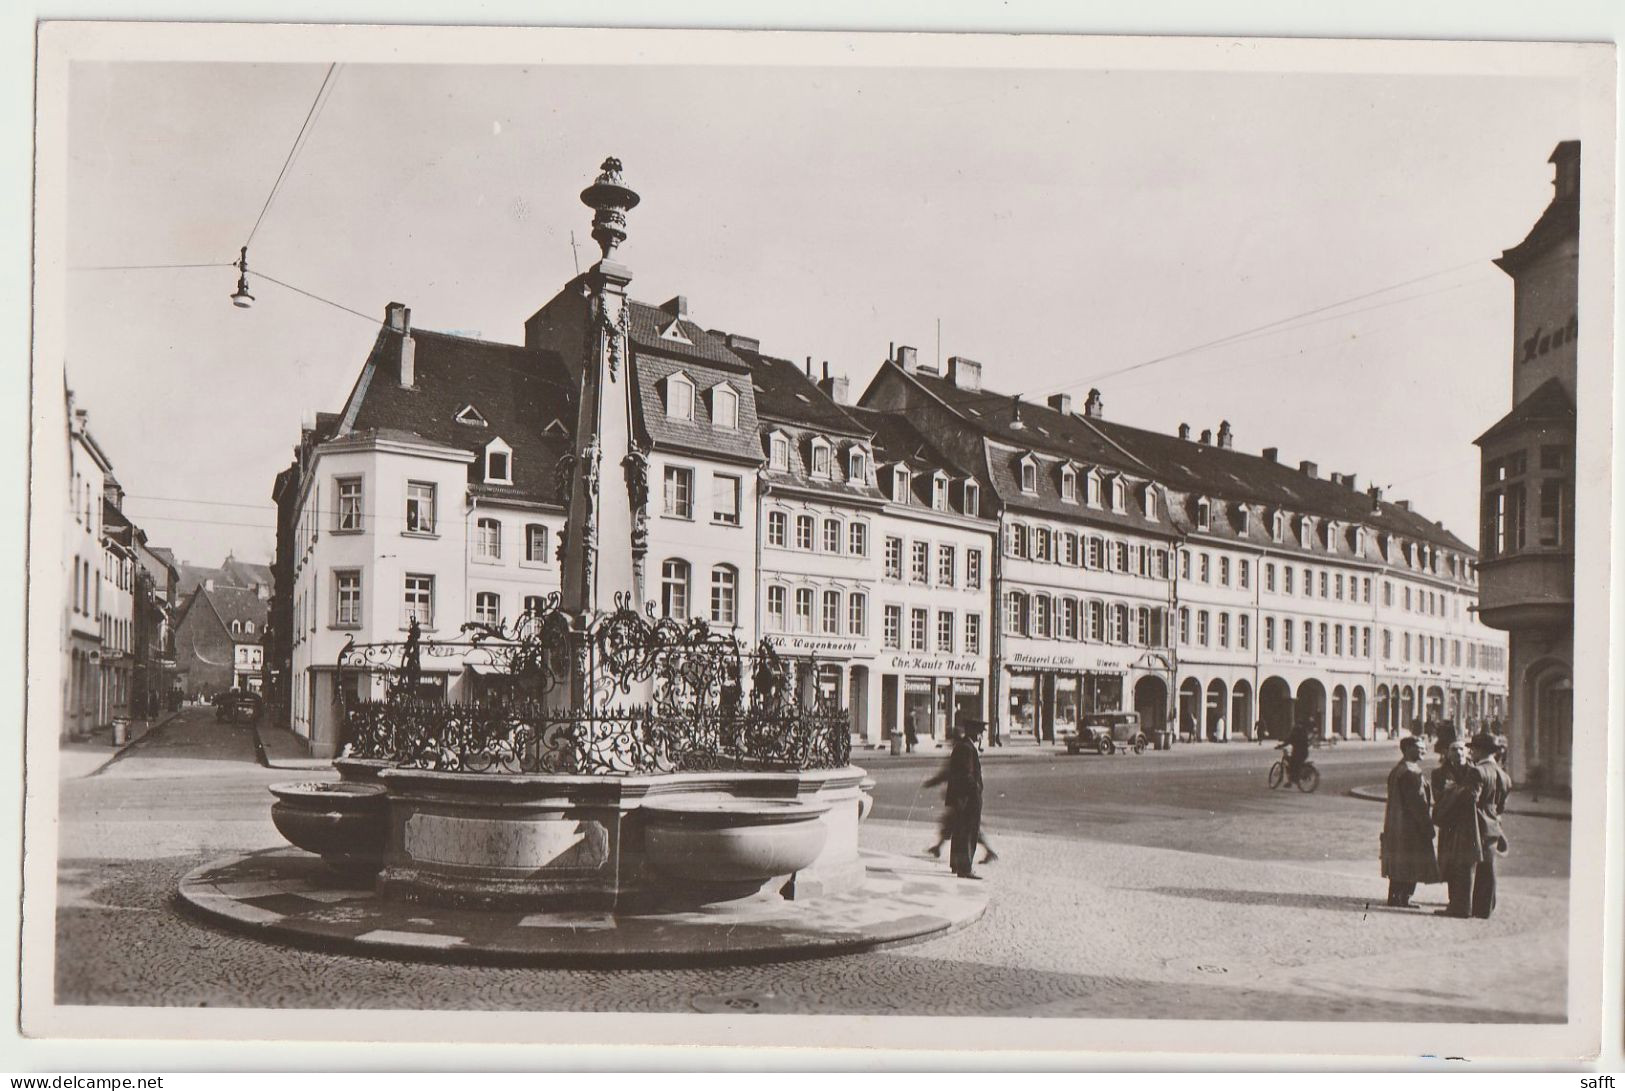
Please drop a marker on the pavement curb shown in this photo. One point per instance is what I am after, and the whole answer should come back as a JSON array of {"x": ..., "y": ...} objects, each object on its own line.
[
  {"x": 288, "y": 897},
  {"x": 115, "y": 755},
  {"x": 1379, "y": 794}
]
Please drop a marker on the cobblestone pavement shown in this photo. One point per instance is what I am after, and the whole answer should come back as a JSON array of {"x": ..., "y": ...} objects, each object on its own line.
[{"x": 1076, "y": 926}]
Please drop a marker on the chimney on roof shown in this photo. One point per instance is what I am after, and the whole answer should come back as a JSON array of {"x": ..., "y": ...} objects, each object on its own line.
[
  {"x": 965, "y": 373},
  {"x": 676, "y": 306},
  {"x": 1015, "y": 412},
  {"x": 1271, "y": 454},
  {"x": 81, "y": 421},
  {"x": 743, "y": 343},
  {"x": 1094, "y": 407},
  {"x": 1061, "y": 403},
  {"x": 1207, "y": 437},
  {"x": 908, "y": 358},
  {"x": 1184, "y": 431},
  {"x": 837, "y": 388},
  {"x": 1309, "y": 469},
  {"x": 1226, "y": 437},
  {"x": 1375, "y": 492},
  {"x": 398, "y": 317},
  {"x": 1566, "y": 157},
  {"x": 1403, "y": 505},
  {"x": 1350, "y": 482}
]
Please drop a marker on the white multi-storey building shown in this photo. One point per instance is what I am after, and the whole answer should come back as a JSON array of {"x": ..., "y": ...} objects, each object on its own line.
[
  {"x": 83, "y": 559},
  {"x": 430, "y": 498},
  {"x": 933, "y": 590},
  {"x": 1179, "y": 577}
]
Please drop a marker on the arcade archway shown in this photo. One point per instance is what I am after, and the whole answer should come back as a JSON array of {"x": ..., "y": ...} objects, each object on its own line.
[
  {"x": 1214, "y": 724},
  {"x": 1241, "y": 709},
  {"x": 1275, "y": 707},
  {"x": 1311, "y": 710}
]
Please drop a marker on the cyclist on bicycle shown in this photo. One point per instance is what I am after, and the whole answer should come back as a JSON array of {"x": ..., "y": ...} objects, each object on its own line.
[{"x": 1297, "y": 751}]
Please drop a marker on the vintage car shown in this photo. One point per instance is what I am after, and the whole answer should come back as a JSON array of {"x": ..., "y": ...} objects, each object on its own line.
[
  {"x": 237, "y": 706},
  {"x": 1107, "y": 733}
]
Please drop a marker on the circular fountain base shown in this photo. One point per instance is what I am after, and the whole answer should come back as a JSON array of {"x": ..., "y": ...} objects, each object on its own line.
[{"x": 288, "y": 896}]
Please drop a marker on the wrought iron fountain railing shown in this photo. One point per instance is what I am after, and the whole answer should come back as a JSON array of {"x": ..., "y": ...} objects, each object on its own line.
[{"x": 560, "y": 700}]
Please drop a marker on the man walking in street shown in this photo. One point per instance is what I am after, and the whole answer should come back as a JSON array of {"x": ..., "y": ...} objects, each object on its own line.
[
  {"x": 1407, "y": 828},
  {"x": 963, "y": 775}
]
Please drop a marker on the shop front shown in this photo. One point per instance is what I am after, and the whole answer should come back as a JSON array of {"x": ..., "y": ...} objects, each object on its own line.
[
  {"x": 1047, "y": 693},
  {"x": 930, "y": 694},
  {"x": 835, "y": 669}
]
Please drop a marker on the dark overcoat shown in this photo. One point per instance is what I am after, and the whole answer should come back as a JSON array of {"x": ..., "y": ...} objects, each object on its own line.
[
  {"x": 1407, "y": 828},
  {"x": 1456, "y": 811}
]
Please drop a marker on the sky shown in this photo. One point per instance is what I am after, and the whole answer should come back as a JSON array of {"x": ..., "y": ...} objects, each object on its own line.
[{"x": 1062, "y": 227}]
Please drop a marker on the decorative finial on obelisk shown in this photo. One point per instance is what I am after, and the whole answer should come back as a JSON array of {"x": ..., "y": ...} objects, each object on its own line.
[{"x": 610, "y": 201}]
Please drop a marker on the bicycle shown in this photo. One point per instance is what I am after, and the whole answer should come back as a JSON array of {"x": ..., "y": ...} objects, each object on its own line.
[{"x": 1307, "y": 780}]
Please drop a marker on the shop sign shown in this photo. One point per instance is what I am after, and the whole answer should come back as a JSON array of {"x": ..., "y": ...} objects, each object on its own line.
[
  {"x": 815, "y": 645},
  {"x": 933, "y": 664}
]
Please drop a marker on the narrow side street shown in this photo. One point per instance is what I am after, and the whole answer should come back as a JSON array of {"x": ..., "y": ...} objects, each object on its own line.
[{"x": 1133, "y": 887}]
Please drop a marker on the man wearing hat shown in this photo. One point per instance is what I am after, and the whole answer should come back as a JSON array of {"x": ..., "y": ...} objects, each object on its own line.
[
  {"x": 1407, "y": 828},
  {"x": 963, "y": 775}
]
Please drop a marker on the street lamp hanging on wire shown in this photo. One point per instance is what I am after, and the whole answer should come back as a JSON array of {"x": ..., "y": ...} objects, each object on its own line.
[{"x": 240, "y": 297}]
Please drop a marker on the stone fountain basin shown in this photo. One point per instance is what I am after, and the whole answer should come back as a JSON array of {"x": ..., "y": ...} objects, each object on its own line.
[
  {"x": 344, "y": 822},
  {"x": 732, "y": 840}
]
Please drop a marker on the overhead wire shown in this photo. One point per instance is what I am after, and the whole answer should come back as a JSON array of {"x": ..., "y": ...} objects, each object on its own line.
[
  {"x": 286, "y": 163},
  {"x": 179, "y": 265},
  {"x": 1268, "y": 329}
]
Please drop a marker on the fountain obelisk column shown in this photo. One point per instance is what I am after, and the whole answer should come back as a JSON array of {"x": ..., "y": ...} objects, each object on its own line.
[{"x": 605, "y": 531}]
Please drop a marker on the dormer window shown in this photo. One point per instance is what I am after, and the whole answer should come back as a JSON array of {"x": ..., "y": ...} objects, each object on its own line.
[
  {"x": 1092, "y": 489},
  {"x": 973, "y": 498},
  {"x": 248, "y": 628},
  {"x": 673, "y": 331},
  {"x": 1277, "y": 526},
  {"x": 1359, "y": 540},
  {"x": 498, "y": 463},
  {"x": 899, "y": 485},
  {"x": 820, "y": 459},
  {"x": 236, "y": 628},
  {"x": 1332, "y": 530},
  {"x": 724, "y": 407},
  {"x": 470, "y": 416},
  {"x": 1306, "y": 531},
  {"x": 1151, "y": 502},
  {"x": 1069, "y": 484},
  {"x": 778, "y": 451},
  {"x": 1203, "y": 513},
  {"x": 1029, "y": 474},
  {"x": 1119, "y": 495},
  {"x": 679, "y": 397},
  {"x": 939, "y": 491},
  {"x": 1244, "y": 519},
  {"x": 857, "y": 466}
]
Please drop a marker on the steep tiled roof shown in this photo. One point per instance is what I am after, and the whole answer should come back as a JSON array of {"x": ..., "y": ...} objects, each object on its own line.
[
  {"x": 234, "y": 604},
  {"x": 1190, "y": 467},
  {"x": 1549, "y": 403},
  {"x": 696, "y": 435},
  {"x": 518, "y": 391},
  {"x": 789, "y": 402},
  {"x": 785, "y": 394},
  {"x": 897, "y": 440},
  {"x": 1560, "y": 221},
  {"x": 645, "y": 323}
]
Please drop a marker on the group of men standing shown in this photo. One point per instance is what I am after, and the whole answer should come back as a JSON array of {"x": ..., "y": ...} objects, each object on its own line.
[{"x": 1462, "y": 798}]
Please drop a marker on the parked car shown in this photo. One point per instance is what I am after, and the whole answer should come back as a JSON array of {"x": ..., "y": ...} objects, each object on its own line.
[
  {"x": 1107, "y": 733},
  {"x": 237, "y": 706}
]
